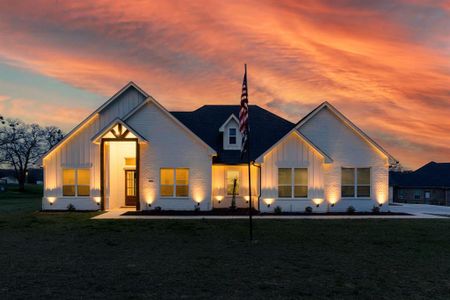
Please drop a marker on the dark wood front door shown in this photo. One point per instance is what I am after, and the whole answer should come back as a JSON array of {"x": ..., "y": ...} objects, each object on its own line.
[{"x": 130, "y": 187}]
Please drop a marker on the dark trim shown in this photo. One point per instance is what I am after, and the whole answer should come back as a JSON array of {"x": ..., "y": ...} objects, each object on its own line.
[
  {"x": 102, "y": 175},
  {"x": 138, "y": 168}
]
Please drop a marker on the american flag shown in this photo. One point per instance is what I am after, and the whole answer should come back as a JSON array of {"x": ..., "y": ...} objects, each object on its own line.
[{"x": 243, "y": 114}]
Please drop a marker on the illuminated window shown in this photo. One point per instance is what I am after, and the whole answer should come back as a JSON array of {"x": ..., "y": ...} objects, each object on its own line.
[
  {"x": 292, "y": 182},
  {"x": 232, "y": 135},
  {"x": 69, "y": 182},
  {"x": 355, "y": 182},
  {"x": 83, "y": 180},
  {"x": 174, "y": 188},
  {"x": 130, "y": 161},
  {"x": 76, "y": 182},
  {"x": 232, "y": 182}
]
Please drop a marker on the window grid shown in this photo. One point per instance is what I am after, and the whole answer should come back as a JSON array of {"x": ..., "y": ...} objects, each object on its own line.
[
  {"x": 174, "y": 182},
  {"x": 355, "y": 182},
  {"x": 232, "y": 136},
  {"x": 293, "y": 183},
  {"x": 76, "y": 182}
]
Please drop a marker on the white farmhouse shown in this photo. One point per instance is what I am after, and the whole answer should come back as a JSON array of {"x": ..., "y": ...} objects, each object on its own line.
[{"x": 132, "y": 152}]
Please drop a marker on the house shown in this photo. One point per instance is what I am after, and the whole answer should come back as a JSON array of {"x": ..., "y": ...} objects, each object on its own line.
[
  {"x": 132, "y": 152},
  {"x": 430, "y": 184}
]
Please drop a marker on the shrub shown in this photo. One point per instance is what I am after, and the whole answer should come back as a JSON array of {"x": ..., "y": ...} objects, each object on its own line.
[
  {"x": 277, "y": 210},
  {"x": 71, "y": 207},
  {"x": 351, "y": 210},
  {"x": 196, "y": 208},
  {"x": 375, "y": 210},
  {"x": 158, "y": 208},
  {"x": 308, "y": 210}
]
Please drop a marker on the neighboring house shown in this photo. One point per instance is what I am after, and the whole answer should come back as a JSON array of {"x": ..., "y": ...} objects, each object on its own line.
[
  {"x": 429, "y": 184},
  {"x": 34, "y": 176},
  {"x": 10, "y": 179},
  {"x": 132, "y": 152}
]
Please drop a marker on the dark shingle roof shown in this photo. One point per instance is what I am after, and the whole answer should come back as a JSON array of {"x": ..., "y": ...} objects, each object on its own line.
[
  {"x": 430, "y": 175},
  {"x": 266, "y": 129}
]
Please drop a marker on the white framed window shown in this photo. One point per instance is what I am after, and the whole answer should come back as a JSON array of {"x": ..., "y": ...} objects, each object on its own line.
[
  {"x": 232, "y": 182},
  {"x": 427, "y": 195},
  {"x": 292, "y": 183},
  {"x": 174, "y": 182},
  {"x": 76, "y": 182},
  {"x": 232, "y": 136},
  {"x": 355, "y": 182}
]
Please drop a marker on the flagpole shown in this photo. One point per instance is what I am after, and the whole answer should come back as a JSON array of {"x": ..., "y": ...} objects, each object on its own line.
[{"x": 249, "y": 170}]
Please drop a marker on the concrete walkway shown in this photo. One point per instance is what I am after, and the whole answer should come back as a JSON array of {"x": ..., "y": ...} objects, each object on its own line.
[{"x": 416, "y": 211}]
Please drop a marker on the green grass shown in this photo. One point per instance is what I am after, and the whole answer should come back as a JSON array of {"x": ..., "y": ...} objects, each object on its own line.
[{"x": 68, "y": 255}]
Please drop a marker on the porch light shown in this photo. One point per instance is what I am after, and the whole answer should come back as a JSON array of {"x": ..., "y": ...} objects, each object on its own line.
[
  {"x": 317, "y": 201},
  {"x": 268, "y": 201},
  {"x": 51, "y": 200}
]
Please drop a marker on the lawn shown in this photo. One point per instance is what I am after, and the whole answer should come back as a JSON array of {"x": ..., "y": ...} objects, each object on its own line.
[{"x": 68, "y": 255}]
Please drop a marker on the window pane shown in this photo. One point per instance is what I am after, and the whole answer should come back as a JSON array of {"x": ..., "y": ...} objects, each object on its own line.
[
  {"x": 69, "y": 177},
  {"x": 284, "y": 191},
  {"x": 68, "y": 190},
  {"x": 363, "y": 191},
  {"x": 363, "y": 175},
  {"x": 348, "y": 191},
  {"x": 300, "y": 191},
  {"x": 167, "y": 176},
  {"x": 348, "y": 176},
  {"x": 182, "y": 176},
  {"x": 182, "y": 191},
  {"x": 166, "y": 190},
  {"x": 231, "y": 176},
  {"x": 130, "y": 161},
  {"x": 232, "y": 140},
  {"x": 284, "y": 176},
  {"x": 83, "y": 190},
  {"x": 83, "y": 177},
  {"x": 232, "y": 131},
  {"x": 301, "y": 176}
]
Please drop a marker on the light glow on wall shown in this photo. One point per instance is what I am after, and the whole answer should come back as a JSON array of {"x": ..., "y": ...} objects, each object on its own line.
[
  {"x": 97, "y": 200},
  {"x": 317, "y": 201},
  {"x": 247, "y": 198},
  {"x": 268, "y": 201},
  {"x": 219, "y": 198},
  {"x": 51, "y": 200},
  {"x": 381, "y": 198}
]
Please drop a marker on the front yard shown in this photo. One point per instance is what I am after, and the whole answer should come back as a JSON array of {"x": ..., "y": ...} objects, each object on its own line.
[{"x": 68, "y": 255}]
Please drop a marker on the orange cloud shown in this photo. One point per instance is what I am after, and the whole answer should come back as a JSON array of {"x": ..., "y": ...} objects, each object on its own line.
[{"x": 385, "y": 64}]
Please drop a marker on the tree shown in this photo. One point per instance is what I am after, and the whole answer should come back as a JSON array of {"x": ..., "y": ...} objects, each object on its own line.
[{"x": 22, "y": 145}]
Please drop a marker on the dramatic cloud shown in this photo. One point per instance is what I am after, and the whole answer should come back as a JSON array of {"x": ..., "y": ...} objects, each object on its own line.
[{"x": 384, "y": 64}]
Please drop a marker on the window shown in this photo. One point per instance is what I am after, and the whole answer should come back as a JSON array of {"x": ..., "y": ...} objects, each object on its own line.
[
  {"x": 232, "y": 136},
  {"x": 427, "y": 194},
  {"x": 130, "y": 161},
  {"x": 76, "y": 182},
  {"x": 83, "y": 178},
  {"x": 174, "y": 182},
  {"x": 232, "y": 182},
  {"x": 293, "y": 183},
  {"x": 355, "y": 182},
  {"x": 69, "y": 182}
]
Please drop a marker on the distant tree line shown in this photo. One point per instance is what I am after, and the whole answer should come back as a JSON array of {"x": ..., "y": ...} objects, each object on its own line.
[{"x": 22, "y": 145}]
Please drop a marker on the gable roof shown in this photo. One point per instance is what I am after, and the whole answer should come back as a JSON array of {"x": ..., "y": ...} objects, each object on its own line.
[
  {"x": 347, "y": 122},
  {"x": 129, "y": 85},
  {"x": 150, "y": 99},
  {"x": 232, "y": 117},
  {"x": 432, "y": 174},
  {"x": 266, "y": 129}
]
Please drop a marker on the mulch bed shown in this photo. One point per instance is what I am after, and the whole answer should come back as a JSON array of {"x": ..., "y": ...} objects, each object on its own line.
[{"x": 244, "y": 212}]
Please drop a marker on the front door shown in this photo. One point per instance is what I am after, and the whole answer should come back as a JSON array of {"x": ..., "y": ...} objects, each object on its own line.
[{"x": 130, "y": 187}]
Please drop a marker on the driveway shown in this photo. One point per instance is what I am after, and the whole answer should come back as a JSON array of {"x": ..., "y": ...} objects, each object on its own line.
[{"x": 421, "y": 210}]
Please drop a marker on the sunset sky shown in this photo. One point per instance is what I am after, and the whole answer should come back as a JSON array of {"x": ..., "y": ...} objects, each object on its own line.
[{"x": 384, "y": 64}]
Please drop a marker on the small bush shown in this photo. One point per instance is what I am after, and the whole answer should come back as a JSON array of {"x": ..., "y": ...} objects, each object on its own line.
[
  {"x": 196, "y": 208},
  {"x": 351, "y": 210},
  {"x": 71, "y": 207},
  {"x": 277, "y": 210},
  {"x": 308, "y": 210},
  {"x": 158, "y": 208},
  {"x": 375, "y": 210}
]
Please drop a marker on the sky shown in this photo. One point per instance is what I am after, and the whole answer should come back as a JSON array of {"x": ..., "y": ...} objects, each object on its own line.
[{"x": 383, "y": 64}]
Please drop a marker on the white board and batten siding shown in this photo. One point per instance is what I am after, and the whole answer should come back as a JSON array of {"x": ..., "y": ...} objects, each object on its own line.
[
  {"x": 292, "y": 152},
  {"x": 347, "y": 149},
  {"x": 170, "y": 146},
  {"x": 79, "y": 152}
]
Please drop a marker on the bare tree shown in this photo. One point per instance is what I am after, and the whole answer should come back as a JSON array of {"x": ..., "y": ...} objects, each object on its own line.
[{"x": 22, "y": 145}]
